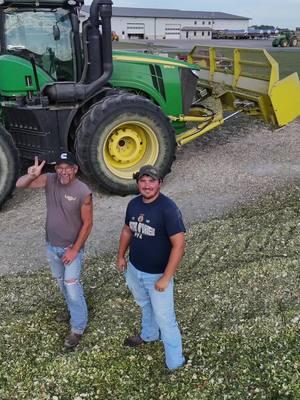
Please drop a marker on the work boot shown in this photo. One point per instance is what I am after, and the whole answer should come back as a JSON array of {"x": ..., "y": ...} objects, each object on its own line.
[
  {"x": 134, "y": 341},
  {"x": 72, "y": 340},
  {"x": 63, "y": 317}
]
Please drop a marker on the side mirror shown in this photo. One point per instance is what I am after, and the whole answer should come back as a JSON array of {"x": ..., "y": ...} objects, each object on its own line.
[{"x": 56, "y": 32}]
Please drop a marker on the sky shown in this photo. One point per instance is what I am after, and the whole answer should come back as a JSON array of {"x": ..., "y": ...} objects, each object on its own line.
[{"x": 281, "y": 13}]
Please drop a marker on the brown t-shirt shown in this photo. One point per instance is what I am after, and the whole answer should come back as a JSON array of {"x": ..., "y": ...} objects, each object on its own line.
[{"x": 64, "y": 203}]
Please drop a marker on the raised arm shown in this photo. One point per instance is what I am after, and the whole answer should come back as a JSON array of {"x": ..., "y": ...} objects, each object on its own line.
[{"x": 34, "y": 177}]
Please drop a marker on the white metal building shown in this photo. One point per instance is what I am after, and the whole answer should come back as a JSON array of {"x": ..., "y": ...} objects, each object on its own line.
[{"x": 153, "y": 23}]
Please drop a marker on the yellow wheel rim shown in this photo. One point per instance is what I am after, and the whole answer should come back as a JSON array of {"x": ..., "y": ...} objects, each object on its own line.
[{"x": 128, "y": 146}]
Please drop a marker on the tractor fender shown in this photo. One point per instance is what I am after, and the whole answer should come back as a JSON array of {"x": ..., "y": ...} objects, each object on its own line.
[{"x": 76, "y": 113}]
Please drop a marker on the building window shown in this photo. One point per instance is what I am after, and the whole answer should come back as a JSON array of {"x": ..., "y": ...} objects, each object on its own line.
[
  {"x": 209, "y": 22},
  {"x": 195, "y": 33},
  {"x": 208, "y": 33},
  {"x": 203, "y": 22},
  {"x": 213, "y": 22},
  {"x": 195, "y": 22},
  {"x": 202, "y": 33}
]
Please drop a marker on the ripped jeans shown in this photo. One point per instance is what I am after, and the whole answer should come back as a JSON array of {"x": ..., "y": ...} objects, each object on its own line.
[{"x": 68, "y": 279}]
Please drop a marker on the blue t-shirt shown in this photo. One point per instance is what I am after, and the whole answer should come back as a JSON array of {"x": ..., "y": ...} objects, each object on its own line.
[{"x": 152, "y": 224}]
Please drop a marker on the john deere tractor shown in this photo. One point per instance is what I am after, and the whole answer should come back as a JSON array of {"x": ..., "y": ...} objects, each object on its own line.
[
  {"x": 287, "y": 38},
  {"x": 63, "y": 90}
]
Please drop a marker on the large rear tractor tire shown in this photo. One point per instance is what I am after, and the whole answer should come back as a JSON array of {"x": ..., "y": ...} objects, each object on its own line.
[
  {"x": 293, "y": 42},
  {"x": 118, "y": 135},
  {"x": 9, "y": 164}
]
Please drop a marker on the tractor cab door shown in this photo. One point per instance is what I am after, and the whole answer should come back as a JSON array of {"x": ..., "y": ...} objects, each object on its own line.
[{"x": 44, "y": 34}]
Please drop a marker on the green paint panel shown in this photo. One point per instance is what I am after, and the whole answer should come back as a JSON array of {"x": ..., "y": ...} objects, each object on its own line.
[
  {"x": 15, "y": 72},
  {"x": 148, "y": 58},
  {"x": 157, "y": 77}
]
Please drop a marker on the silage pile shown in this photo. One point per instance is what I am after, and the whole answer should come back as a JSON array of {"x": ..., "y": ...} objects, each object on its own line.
[{"x": 237, "y": 303}]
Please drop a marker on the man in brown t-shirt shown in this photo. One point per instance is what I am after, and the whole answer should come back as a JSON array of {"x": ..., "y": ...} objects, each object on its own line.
[{"x": 68, "y": 225}]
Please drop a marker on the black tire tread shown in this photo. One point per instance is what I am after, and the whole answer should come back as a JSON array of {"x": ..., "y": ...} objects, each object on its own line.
[
  {"x": 11, "y": 173},
  {"x": 85, "y": 141}
]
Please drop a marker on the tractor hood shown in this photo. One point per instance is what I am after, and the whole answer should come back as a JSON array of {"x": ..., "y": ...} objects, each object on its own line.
[{"x": 140, "y": 57}]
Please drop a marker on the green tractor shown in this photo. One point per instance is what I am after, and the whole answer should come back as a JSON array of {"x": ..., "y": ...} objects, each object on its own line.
[
  {"x": 62, "y": 89},
  {"x": 286, "y": 38}
]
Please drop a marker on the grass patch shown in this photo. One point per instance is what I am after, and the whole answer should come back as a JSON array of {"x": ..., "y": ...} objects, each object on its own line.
[
  {"x": 289, "y": 61},
  {"x": 237, "y": 303}
]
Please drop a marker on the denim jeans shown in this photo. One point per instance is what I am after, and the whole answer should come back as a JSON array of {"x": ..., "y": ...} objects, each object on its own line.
[
  {"x": 68, "y": 279},
  {"x": 158, "y": 314}
]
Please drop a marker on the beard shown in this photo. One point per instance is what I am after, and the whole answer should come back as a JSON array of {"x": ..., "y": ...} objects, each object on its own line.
[
  {"x": 150, "y": 194},
  {"x": 64, "y": 179}
]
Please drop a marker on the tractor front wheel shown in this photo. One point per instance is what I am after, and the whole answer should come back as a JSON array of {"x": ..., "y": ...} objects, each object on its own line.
[
  {"x": 9, "y": 164},
  {"x": 283, "y": 43},
  {"x": 118, "y": 135}
]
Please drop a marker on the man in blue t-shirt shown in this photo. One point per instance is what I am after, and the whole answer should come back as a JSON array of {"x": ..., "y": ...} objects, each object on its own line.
[{"x": 154, "y": 231}]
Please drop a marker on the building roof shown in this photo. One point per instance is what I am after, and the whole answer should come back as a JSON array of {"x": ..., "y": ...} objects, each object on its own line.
[{"x": 168, "y": 13}]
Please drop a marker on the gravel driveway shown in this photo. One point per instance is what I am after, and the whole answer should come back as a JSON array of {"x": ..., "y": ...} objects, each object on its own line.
[{"x": 224, "y": 169}]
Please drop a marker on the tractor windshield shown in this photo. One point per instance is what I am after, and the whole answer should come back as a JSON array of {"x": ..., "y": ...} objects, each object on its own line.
[{"x": 44, "y": 34}]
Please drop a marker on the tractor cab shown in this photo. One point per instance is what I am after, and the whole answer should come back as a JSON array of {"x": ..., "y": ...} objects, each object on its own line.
[
  {"x": 44, "y": 33},
  {"x": 45, "y": 37}
]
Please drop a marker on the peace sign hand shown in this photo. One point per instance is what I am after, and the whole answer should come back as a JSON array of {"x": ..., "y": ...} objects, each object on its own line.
[{"x": 35, "y": 170}]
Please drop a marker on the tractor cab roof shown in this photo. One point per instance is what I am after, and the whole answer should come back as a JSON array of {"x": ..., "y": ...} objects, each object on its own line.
[{"x": 41, "y": 3}]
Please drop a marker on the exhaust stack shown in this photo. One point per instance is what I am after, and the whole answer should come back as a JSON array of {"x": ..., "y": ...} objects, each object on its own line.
[{"x": 97, "y": 49}]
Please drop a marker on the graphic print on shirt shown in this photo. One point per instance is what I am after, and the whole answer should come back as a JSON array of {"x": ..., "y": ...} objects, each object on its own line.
[
  {"x": 139, "y": 228},
  {"x": 70, "y": 198}
]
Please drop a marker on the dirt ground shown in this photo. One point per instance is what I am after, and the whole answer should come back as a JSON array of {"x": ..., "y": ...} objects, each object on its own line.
[{"x": 228, "y": 167}]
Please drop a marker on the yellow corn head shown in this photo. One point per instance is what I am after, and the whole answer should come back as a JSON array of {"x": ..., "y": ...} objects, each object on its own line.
[{"x": 243, "y": 80}]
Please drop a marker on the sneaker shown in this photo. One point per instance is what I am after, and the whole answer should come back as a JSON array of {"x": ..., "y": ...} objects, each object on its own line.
[
  {"x": 134, "y": 341},
  {"x": 72, "y": 340},
  {"x": 63, "y": 317}
]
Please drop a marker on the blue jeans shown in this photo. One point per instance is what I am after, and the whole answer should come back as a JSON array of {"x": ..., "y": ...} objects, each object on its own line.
[
  {"x": 68, "y": 279},
  {"x": 158, "y": 314}
]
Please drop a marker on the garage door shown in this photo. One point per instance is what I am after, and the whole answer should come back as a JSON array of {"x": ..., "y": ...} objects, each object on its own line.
[
  {"x": 135, "y": 30},
  {"x": 172, "y": 31}
]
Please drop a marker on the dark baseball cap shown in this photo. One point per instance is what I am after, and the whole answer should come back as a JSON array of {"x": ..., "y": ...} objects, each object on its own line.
[
  {"x": 148, "y": 170},
  {"x": 66, "y": 158}
]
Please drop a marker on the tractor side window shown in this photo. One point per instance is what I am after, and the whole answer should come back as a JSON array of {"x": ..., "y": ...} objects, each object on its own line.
[{"x": 46, "y": 35}]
